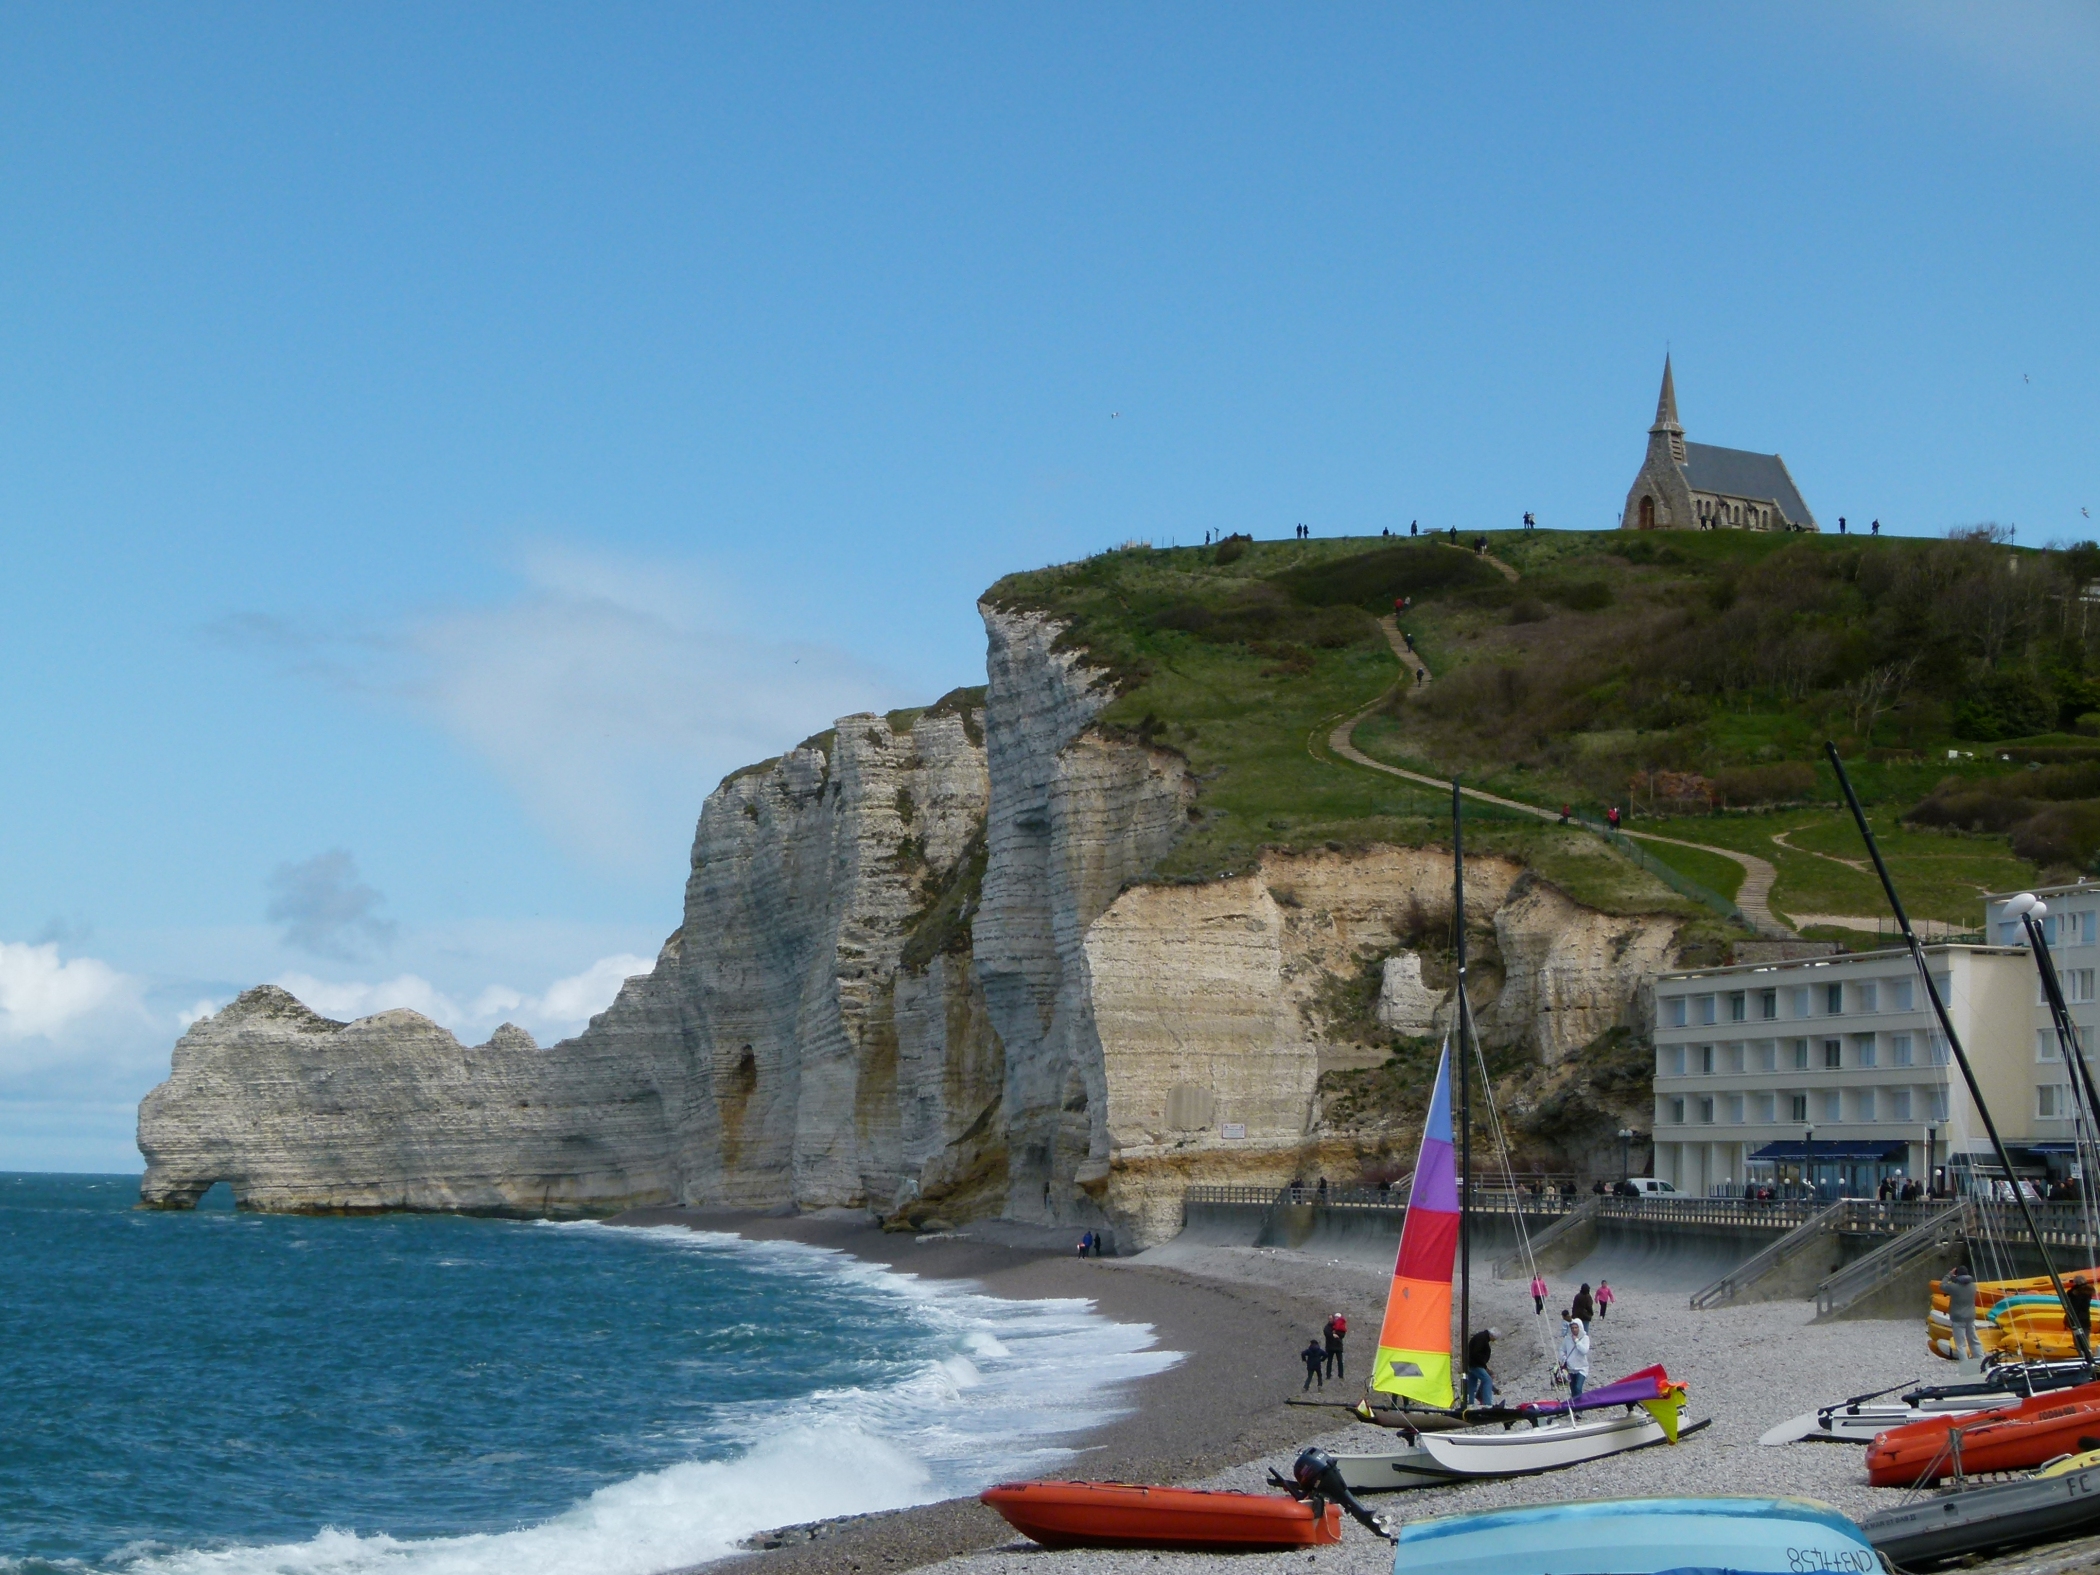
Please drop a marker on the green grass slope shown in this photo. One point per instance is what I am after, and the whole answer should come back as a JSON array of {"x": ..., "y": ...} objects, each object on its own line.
[{"x": 1690, "y": 678}]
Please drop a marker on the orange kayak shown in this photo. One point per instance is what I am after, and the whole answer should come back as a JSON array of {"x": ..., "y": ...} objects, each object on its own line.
[
  {"x": 2014, "y": 1438},
  {"x": 1124, "y": 1515}
]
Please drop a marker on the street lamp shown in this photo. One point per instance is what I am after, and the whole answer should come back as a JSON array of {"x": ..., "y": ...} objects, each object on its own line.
[
  {"x": 1808, "y": 1149},
  {"x": 1626, "y": 1153},
  {"x": 1932, "y": 1151}
]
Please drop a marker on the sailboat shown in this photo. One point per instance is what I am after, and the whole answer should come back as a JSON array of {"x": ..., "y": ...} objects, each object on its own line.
[{"x": 1414, "y": 1358}]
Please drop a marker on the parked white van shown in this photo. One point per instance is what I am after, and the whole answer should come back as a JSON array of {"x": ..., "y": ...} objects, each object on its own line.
[{"x": 1649, "y": 1187}]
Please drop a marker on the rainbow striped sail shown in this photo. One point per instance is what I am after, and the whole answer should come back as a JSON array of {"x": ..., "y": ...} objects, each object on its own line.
[{"x": 1414, "y": 1343}]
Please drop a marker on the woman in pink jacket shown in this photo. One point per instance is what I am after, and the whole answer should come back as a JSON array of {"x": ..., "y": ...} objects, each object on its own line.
[{"x": 1538, "y": 1292}]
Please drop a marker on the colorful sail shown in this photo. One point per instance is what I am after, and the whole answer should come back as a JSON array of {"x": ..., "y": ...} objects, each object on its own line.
[{"x": 1414, "y": 1342}]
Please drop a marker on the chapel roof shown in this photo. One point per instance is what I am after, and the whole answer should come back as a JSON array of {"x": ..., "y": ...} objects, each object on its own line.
[{"x": 1738, "y": 473}]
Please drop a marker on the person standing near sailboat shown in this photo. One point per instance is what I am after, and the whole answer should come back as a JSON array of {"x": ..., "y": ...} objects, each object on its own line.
[
  {"x": 1575, "y": 1357},
  {"x": 1480, "y": 1383}
]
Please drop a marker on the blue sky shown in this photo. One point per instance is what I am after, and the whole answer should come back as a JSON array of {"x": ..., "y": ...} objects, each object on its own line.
[{"x": 437, "y": 442}]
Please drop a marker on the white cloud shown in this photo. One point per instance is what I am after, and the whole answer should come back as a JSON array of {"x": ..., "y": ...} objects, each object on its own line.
[
  {"x": 40, "y": 996},
  {"x": 196, "y": 1014},
  {"x": 610, "y": 694},
  {"x": 563, "y": 1008},
  {"x": 332, "y": 998}
]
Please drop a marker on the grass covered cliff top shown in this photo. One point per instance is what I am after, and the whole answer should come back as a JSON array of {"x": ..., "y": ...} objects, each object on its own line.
[{"x": 1690, "y": 678}]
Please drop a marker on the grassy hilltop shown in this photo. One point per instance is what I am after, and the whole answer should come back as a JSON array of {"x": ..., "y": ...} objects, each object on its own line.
[{"x": 1690, "y": 678}]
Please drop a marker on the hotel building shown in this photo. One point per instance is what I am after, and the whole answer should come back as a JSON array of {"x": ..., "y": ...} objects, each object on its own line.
[
  {"x": 1833, "y": 1070},
  {"x": 2070, "y": 935}
]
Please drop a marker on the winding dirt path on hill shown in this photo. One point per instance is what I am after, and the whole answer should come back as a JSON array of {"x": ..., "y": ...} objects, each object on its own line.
[{"x": 1753, "y": 897}]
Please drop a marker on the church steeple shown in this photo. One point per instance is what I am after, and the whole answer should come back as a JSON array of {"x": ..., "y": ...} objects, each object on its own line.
[{"x": 1666, "y": 415}]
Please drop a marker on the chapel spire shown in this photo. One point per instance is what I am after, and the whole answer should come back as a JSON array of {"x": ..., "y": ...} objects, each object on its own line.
[{"x": 1666, "y": 414}]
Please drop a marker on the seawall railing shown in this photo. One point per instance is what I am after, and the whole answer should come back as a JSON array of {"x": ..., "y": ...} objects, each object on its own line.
[
  {"x": 1738, "y": 1279},
  {"x": 1894, "y": 1258}
]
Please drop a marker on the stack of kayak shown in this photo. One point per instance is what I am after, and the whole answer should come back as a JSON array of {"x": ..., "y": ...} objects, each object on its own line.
[
  {"x": 1863, "y": 1418},
  {"x": 2019, "y": 1318}
]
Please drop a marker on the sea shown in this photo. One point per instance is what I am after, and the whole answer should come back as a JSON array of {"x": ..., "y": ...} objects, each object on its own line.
[{"x": 218, "y": 1393}]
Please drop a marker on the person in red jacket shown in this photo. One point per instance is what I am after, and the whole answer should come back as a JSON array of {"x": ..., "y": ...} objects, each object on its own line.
[{"x": 1333, "y": 1335}]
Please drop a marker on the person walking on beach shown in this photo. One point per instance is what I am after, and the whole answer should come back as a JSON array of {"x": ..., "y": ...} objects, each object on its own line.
[
  {"x": 1333, "y": 1335},
  {"x": 1086, "y": 1243},
  {"x": 1575, "y": 1358},
  {"x": 2078, "y": 1303},
  {"x": 1312, "y": 1356},
  {"x": 1585, "y": 1309},
  {"x": 1604, "y": 1299},
  {"x": 1538, "y": 1293},
  {"x": 1960, "y": 1287},
  {"x": 1480, "y": 1383}
]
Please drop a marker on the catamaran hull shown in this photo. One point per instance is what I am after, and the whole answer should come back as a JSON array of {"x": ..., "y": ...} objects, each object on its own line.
[
  {"x": 1400, "y": 1468},
  {"x": 1518, "y": 1454},
  {"x": 2039, "y": 1509},
  {"x": 1860, "y": 1424},
  {"x": 1750, "y": 1536}
]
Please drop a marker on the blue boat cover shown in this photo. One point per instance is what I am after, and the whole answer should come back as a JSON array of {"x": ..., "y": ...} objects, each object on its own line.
[{"x": 1641, "y": 1536}]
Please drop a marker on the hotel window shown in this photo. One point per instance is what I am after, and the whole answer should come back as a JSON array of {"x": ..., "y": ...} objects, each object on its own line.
[
  {"x": 1706, "y": 1010},
  {"x": 1936, "y": 1048},
  {"x": 1677, "y": 1112},
  {"x": 1767, "y": 1005},
  {"x": 1669, "y": 1061},
  {"x": 1738, "y": 1006},
  {"x": 1706, "y": 1060},
  {"x": 1869, "y": 997},
  {"x": 1735, "y": 1109},
  {"x": 1864, "y": 1102},
  {"x": 1939, "y": 1105},
  {"x": 1798, "y": 1105},
  {"x": 1765, "y": 1057},
  {"x": 1735, "y": 1058},
  {"x": 1833, "y": 1106},
  {"x": 1706, "y": 1110},
  {"x": 1765, "y": 1111},
  {"x": 1801, "y": 1055},
  {"x": 1943, "y": 986},
  {"x": 1903, "y": 994},
  {"x": 2045, "y": 1046},
  {"x": 1833, "y": 1053},
  {"x": 2078, "y": 984},
  {"x": 2052, "y": 1102},
  {"x": 1863, "y": 1050},
  {"x": 1899, "y": 1049},
  {"x": 1899, "y": 1104},
  {"x": 1673, "y": 1012},
  {"x": 2078, "y": 928}
]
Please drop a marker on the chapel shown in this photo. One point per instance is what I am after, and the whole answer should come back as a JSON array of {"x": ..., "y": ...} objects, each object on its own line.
[{"x": 1696, "y": 486}]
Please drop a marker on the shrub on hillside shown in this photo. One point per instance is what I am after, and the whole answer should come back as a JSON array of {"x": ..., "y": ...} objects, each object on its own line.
[
  {"x": 2051, "y": 814},
  {"x": 1233, "y": 548},
  {"x": 1260, "y": 612},
  {"x": 1578, "y": 595},
  {"x": 1786, "y": 782},
  {"x": 1375, "y": 580},
  {"x": 2004, "y": 705}
]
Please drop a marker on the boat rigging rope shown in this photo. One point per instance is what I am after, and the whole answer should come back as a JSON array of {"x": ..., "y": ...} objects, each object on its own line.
[{"x": 1547, "y": 1349}]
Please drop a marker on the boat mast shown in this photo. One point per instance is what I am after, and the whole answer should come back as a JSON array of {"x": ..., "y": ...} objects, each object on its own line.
[
  {"x": 1939, "y": 1009},
  {"x": 1465, "y": 1081}
]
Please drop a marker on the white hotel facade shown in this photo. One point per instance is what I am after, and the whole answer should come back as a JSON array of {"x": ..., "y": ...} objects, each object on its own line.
[{"x": 1835, "y": 1066}]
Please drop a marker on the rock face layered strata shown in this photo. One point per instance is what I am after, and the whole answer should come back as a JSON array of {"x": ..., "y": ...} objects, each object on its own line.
[{"x": 921, "y": 969}]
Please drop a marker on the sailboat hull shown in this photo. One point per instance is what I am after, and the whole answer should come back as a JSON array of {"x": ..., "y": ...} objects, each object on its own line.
[
  {"x": 2039, "y": 1509},
  {"x": 1640, "y": 1536},
  {"x": 1440, "y": 1459}
]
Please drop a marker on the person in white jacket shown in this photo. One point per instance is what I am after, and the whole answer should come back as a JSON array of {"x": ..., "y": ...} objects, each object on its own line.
[{"x": 1575, "y": 1357}]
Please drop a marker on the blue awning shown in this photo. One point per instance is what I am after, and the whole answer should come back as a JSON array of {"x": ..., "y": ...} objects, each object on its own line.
[{"x": 1854, "y": 1152}]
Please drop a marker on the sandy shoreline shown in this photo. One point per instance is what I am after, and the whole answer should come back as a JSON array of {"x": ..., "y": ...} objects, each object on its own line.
[{"x": 1221, "y": 1417}]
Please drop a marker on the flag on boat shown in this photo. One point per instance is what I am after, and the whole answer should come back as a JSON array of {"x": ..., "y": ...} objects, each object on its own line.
[{"x": 1414, "y": 1342}]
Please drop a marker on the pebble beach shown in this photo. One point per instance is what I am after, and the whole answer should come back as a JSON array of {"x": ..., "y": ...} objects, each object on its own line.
[{"x": 1226, "y": 1415}]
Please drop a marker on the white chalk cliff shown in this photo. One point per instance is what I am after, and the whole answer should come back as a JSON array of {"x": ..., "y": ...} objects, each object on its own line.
[{"x": 921, "y": 969}]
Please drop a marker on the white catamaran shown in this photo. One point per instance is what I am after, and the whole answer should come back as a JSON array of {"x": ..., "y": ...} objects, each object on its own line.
[{"x": 1414, "y": 1362}]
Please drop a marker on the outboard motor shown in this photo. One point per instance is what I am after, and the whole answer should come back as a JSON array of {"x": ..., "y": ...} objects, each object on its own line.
[{"x": 1316, "y": 1478}]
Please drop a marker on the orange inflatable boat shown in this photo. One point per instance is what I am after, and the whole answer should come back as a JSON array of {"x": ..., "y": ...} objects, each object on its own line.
[
  {"x": 1123, "y": 1515},
  {"x": 2015, "y": 1438}
]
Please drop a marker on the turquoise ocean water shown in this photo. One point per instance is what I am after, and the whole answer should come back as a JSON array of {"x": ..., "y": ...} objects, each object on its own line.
[{"x": 238, "y": 1394}]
